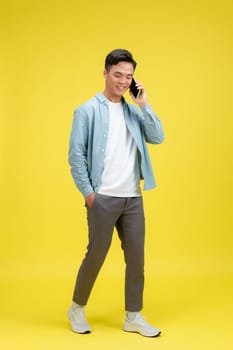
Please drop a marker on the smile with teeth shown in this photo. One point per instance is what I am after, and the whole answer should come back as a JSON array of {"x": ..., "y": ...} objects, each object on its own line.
[{"x": 122, "y": 88}]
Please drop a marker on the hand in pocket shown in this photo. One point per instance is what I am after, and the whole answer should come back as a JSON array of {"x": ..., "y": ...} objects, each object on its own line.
[{"x": 90, "y": 200}]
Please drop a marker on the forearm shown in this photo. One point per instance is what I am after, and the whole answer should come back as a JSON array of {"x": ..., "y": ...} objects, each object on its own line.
[
  {"x": 80, "y": 173},
  {"x": 152, "y": 125},
  {"x": 78, "y": 155}
]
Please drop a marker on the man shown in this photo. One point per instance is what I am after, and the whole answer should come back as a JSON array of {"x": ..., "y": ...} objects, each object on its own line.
[{"x": 108, "y": 157}]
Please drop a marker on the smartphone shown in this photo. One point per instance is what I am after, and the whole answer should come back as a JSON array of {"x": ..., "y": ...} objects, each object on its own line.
[{"x": 136, "y": 92}]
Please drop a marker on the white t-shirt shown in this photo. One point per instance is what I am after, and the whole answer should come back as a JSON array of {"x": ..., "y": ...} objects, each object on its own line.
[{"x": 121, "y": 174}]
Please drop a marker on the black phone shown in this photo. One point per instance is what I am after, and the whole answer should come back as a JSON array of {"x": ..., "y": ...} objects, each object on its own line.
[{"x": 136, "y": 92}]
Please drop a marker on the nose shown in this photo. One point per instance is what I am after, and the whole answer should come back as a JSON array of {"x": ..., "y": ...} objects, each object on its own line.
[{"x": 122, "y": 80}]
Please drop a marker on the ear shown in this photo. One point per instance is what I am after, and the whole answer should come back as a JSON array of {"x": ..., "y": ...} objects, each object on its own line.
[{"x": 105, "y": 74}]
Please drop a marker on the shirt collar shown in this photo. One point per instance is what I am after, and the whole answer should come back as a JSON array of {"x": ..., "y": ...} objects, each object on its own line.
[{"x": 103, "y": 99}]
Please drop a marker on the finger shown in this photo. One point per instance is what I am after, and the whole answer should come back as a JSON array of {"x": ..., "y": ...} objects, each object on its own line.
[{"x": 139, "y": 84}]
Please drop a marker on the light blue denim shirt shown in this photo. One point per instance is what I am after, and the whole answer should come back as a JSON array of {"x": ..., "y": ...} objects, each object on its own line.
[{"x": 89, "y": 136}]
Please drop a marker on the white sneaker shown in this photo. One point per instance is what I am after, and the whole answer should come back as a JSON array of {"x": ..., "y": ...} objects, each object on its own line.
[
  {"x": 139, "y": 325},
  {"x": 78, "y": 320}
]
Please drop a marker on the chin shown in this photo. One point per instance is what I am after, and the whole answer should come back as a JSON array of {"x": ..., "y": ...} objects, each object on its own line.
[{"x": 120, "y": 93}]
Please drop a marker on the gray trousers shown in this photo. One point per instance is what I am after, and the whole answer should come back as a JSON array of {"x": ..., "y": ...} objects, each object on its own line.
[{"x": 127, "y": 215}]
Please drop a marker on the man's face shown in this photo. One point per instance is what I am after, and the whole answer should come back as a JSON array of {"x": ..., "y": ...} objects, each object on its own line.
[{"x": 118, "y": 80}]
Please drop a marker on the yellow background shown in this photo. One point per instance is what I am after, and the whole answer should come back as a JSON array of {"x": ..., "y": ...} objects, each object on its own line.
[{"x": 52, "y": 55}]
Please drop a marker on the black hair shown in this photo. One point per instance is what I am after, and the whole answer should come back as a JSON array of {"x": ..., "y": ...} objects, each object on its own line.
[{"x": 119, "y": 55}]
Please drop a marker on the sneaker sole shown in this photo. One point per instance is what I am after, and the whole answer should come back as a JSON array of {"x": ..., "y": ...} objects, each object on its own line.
[{"x": 149, "y": 335}]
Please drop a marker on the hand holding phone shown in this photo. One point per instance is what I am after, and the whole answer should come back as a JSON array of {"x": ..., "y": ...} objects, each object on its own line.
[{"x": 134, "y": 89}]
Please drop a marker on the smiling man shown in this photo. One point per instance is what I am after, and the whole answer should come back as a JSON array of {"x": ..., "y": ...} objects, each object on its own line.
[{"x": 108, "y": 158}]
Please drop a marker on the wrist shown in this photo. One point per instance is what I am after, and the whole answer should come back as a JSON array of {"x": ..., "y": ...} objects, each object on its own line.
[{"x": 143, "y": 104}]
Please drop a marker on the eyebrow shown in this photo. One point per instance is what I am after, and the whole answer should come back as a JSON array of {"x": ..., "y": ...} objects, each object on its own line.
[{"x": 117, "y": 72}]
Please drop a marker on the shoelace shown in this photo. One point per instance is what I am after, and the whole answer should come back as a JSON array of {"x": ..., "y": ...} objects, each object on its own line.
[
  {"x": 79, "y": 313},
  {"x": 143, "y": 322}
]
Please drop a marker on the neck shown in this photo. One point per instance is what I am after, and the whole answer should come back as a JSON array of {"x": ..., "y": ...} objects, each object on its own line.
[{"x": 112, "y": 98}]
